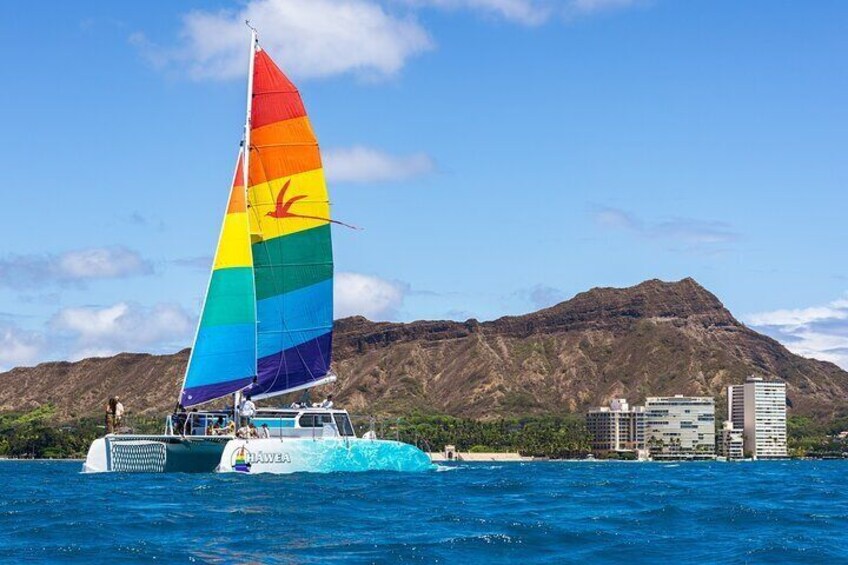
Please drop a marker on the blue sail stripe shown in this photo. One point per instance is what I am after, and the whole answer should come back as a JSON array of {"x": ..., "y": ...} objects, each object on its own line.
[
  {"x": 199, "y": 394},
  {"x": 294, "y": 367},
  {"x": 294, "y": 318},
  {"x": 221, "y": 353}
]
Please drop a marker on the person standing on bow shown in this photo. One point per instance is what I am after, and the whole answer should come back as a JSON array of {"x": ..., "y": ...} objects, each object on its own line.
[
  {"x": 119, "y": 413},
  {"x": 110, "y": 415}
]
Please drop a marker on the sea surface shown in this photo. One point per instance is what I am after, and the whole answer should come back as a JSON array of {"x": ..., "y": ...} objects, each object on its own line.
[{"x": 545, "y": 512}]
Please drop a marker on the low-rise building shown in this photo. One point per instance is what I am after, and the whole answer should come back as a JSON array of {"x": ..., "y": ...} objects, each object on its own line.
[
  {"x": 680, "y": 427},
  {"x": 729, "y": 443},
  {"x": 616, "y": 428}
]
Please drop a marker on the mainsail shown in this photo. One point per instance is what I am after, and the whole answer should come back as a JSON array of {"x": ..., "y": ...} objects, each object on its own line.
[
  {"x": 286, "y": 227},
  {"x": 290, "y": 231}
]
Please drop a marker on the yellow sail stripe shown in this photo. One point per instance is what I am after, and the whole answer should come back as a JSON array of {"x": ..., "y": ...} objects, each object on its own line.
[
  {"x": 233, "y": 247},
  {"x": 263, "y": 201}
]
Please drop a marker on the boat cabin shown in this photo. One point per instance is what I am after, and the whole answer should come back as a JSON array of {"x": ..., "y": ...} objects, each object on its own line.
[{"x": 282, "y": 422}]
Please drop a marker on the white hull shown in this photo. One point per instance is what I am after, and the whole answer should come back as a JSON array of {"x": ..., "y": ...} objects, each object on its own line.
[{"x": 251, "y": 456}]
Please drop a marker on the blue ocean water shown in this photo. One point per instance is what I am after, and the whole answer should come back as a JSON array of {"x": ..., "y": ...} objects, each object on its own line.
[{"x": 546, "y": 512}]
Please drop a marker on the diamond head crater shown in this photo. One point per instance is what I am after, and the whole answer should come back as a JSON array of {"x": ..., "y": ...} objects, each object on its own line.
[{"x": 653, "y": 339}]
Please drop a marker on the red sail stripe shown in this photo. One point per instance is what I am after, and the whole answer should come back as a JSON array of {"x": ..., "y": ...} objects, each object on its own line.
[{"x": 275, "y": 98}]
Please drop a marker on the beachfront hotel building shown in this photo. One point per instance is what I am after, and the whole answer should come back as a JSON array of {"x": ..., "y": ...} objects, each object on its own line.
[
  {"x": 758, "y": 408},
  {"x": 729, "y": 442},
  {"x": 616, "y": 428},
  {"x": 680, "y": 427}
]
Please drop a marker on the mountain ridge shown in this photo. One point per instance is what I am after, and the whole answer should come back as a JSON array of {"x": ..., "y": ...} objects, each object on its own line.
[{"x": 652, "y": 339}]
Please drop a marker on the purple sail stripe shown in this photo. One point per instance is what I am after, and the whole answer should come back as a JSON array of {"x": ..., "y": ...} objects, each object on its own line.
[
  {"x": 203, "y": 393},
  {"x": 294, "y": 367}
]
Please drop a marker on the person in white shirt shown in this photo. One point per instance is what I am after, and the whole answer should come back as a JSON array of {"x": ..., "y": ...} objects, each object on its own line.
[
  {"x": 119, "y": 412},
  {"x": 328, "y": 403},
  {"x": 264, "y": 432},
  {"x": 247, "y": 410}
]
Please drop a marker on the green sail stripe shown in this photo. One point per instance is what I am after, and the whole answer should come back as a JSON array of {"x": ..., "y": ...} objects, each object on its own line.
[
  {"x": 225, "y": 303},
  {"x": 293, "y": 261}
]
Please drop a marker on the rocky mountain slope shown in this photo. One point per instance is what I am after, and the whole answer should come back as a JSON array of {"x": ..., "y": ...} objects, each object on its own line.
[{"x": 653, "y": 339}]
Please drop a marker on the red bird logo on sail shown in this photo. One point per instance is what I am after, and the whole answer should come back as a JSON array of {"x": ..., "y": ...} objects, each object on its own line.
[{"x": 283, "y": 208}]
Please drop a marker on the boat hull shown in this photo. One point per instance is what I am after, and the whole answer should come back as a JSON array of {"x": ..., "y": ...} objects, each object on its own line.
[
  {"x": 165, "y": 454},
  {"x": 321, "y": 455},
  {"x": 154, "y": 454}
]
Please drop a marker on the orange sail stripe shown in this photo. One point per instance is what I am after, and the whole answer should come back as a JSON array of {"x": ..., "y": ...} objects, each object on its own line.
[
  {"x": 270, "y": 163},
  {"x": 237, "y": 203},
  {"x": 297, "y": 131}
]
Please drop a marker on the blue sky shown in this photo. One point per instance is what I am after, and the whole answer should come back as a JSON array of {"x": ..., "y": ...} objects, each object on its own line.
[{"x": 501, "y": 155}]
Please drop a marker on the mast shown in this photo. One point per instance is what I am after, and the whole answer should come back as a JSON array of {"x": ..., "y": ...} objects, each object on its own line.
[
  {"x": 246, "y": 137},
  {"x": 245, "y": 172}
]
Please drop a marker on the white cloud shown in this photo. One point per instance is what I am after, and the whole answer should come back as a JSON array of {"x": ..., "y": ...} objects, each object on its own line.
[
  {"x": 102, "y": 331},
  {"x": 588, "y": 7},
  {"x": 102, "y": 263},
  {"x": 820, "y": 332},
  {"x": 309, "y": 38},
  {"x": 18, "y": 346},
  {"x": 526, "y": 12},
  {"x": 529, "y": 12},
  {"x": 800, "y": 317},
  {"x": 697, "y": 234},
  {"x": 365, "y": 295},
  {"x": 542, "y": 296},
  {"x": 72, "y": 267},
  {"x": 364, "y": 165}
]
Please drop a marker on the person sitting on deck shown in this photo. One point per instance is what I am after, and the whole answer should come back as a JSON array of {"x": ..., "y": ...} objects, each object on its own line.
[
  {"x": 230, "y": 429},
  {"x": 189, "y": 422},
  {"x": 328, "y": 402},
  {"x": 216, "y": 428},
  {"x": 265, "y": 433},
  {"x": 304, "y": 401},
  {"x": 253, "y": 431},
  {"x": 243, "y": 432},
  {"x": 178, "y": 419}
]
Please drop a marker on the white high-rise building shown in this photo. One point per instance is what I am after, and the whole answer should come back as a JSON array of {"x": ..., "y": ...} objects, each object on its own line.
[
  {"x": 758, "y": 408},
  {"x": 680, "y": 427},
  {"x": 729, "y": 442}
]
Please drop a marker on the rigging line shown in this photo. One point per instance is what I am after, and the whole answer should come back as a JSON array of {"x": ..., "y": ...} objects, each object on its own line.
[
  {"x": 283, "y": 363},
  {"x": 271, "y": 267},
  {"x": 283, "y": 206},
  {"x": 282, "y": 319}
]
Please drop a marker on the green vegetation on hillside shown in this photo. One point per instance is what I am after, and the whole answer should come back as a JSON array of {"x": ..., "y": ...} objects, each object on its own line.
[
  {"x": 562, "y": 436},
  {"x": 36, "y": 434},
  {"x": 808, "y": 438}
]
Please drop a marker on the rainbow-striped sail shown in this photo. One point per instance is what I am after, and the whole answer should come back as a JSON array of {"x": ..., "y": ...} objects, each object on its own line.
[{"x": 266, "y": 326}]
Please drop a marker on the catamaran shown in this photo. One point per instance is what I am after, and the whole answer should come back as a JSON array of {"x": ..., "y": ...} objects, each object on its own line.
[{"x": 266, "y": 324}]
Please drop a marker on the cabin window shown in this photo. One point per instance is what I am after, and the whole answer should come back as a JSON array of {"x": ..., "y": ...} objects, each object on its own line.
[
  {"x": 314, "y": 420},
  {"x": 343, "y": 424},
  {"x": 274, "y": 414}
]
